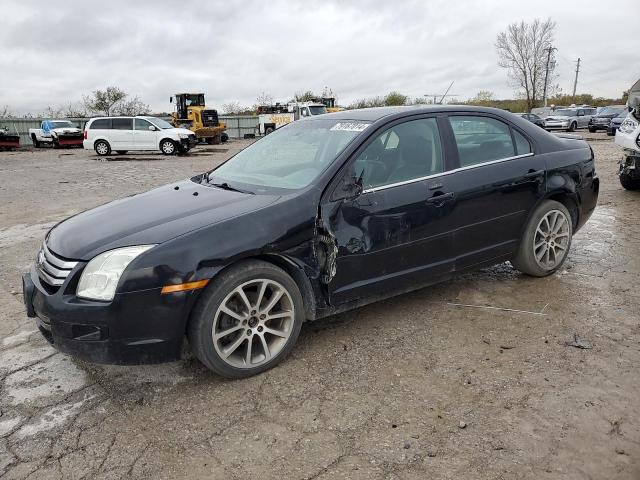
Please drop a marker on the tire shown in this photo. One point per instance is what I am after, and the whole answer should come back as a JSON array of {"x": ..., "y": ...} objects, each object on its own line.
[
  {"x": 628, "y": 182},
  {"x": 268, "y": 130},
  {"x": 249, "y": 325},
  {"x": 102, "y": 148},
  {"x": 224, "y": 137},
  {"x": 168, "y": 147},
  {"x": 592, "y": 130},
  {"x": 572, "y": 127},
  {"x": 35, "y": 141},
  {"x": 531, "y": 258},
  {"x": 217, "y": 140},
  {"x": 209, "y": 141},
  {"x": 122, "y": 152}
]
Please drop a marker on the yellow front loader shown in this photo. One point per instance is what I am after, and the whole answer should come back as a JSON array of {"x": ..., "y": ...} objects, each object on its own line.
[{"x": 192, "y": 113}]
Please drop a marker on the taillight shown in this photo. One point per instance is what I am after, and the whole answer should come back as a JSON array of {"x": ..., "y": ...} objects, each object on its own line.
[{"x": 85, "y": 134}]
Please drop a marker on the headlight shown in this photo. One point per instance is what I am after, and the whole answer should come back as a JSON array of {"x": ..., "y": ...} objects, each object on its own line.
[
  {"x": 183, "y": 135},
  {"x": 101, "y": 275},
  {"x": 628, "y": 125}
]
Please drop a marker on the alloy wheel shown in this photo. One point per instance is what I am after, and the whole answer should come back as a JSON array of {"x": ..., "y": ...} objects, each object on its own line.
[
  {"x": 551, "y": 240},
  {"x": 102, "y": 148},
  {"x": 168, "y": 148},
  {"x": 253, "y": 323}
]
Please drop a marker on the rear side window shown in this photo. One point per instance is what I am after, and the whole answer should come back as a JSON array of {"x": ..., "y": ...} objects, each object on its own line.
[
  {"x": 481, "y": 139},
  {"x": 101, "y": 123},
  {"x": 122, "y": 123},
  {"x": 522, "y": 144}
]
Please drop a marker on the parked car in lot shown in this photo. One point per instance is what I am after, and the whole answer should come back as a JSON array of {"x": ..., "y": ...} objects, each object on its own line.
[
  {"x": 121, "y": 134},
  {"x": 615, "y": 123},
  {"x": 322, "y": 216},
  {"x": 57, "y": 133},
  {"x": 603, "y": 118},
  {"x": 533, "y": 118},
  {"x": 569, "y": 119},
  {"x": 628, "y": 137}
]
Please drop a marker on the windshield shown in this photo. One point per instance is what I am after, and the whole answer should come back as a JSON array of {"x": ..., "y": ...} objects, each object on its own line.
[
  {"x": 317, "y": 110},
  {"x": 611, "y": 111},
  {"x": 62, "y": 124},
  {"x": 158, "y": 122},
  {"x": 565, "y": 112},
  {"x": 289, "y": 158}
]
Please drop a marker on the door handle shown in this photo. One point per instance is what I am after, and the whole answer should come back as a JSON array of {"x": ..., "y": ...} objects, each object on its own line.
[
  {"x": 533, "y": 173},
  {"x": 440, "y": 199}
]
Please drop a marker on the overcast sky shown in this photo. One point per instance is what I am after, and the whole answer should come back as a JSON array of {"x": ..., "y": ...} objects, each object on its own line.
[{"x": 52, "y": 53}]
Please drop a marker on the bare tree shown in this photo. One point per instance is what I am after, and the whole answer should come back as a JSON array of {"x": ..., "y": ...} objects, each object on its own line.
[
  {"x": 103, "y": 101},
  {"x": 523, "y": 49},
  {"x": 264, "y": 99},
  {"x": 5, "y": 112},
  {"x": 135, "y": 106},
  {"x": 233, "y": 108}
]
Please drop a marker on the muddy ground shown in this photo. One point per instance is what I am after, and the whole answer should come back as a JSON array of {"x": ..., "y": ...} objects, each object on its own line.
[{"x": 409, "y": 388}]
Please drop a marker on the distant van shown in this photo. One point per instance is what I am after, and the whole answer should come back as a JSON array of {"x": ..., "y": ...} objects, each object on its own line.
[{"x": 122, "y": 134}]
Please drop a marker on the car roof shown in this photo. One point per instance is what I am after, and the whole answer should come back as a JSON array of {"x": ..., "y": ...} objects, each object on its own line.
[{"x": 377, "y": 113}]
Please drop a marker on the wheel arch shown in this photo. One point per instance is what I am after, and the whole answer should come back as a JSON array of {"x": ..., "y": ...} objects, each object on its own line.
[
  {"x": 570, "y": 201},
  {"x": 291, "y": 268}
]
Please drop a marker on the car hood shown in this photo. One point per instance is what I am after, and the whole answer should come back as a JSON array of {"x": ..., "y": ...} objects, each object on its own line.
[
  {"x": 149, "y": 218},
  {"x": 557, "y": 117}
]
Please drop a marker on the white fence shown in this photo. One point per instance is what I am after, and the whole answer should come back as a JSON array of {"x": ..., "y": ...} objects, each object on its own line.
[{"x": 237, "y": 126}]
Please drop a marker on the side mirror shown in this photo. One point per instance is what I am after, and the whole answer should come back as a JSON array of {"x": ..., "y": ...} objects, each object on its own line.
[
  {"x": 152, "y": 128},
  {"x": 350, "y": 188}
]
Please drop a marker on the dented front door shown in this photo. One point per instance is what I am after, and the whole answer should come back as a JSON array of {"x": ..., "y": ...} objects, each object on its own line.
[{"x": 389, "y": 240}]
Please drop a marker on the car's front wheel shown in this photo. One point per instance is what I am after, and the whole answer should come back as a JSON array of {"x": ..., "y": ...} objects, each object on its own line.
[
  {"x": 247, "y": 320},
  {"x": 628, "y": 182},
  {"x": 168, "y": 147},
  {"x": 592, "y": 130},
  {"x": 102, "y": 148},
  {"x": 572, "y": 127},
  {"x": 545, "y": 244}
]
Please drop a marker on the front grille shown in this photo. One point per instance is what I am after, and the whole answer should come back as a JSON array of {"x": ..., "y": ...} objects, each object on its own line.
[
  {"x": 210, "y": 118},
  {"x": 53, "y": 269}
]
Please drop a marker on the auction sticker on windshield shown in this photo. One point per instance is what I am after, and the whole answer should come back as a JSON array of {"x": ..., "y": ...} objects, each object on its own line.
[{"x": 350, "y": 126}]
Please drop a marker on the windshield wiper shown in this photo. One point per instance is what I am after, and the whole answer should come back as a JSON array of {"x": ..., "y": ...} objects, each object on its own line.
[{"x": 226, "y": 186}]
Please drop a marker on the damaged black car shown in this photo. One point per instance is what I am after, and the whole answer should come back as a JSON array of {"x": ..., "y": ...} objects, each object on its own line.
[{"x": 323, "y": 215}]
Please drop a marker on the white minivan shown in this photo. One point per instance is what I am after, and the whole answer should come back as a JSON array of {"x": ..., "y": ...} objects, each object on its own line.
[{"x": 121, "y": 134}]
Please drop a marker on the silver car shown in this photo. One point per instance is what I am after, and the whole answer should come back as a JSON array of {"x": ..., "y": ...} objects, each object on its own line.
[{"x": 569, "y": 119}]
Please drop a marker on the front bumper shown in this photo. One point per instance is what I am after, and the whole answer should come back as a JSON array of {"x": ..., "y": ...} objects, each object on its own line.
[
  {"x": 556, "y": 126},
  {"x": 599, "y": 126},
  {"x": 188, "y": 143},
  {"x": 134, "y": 328}
]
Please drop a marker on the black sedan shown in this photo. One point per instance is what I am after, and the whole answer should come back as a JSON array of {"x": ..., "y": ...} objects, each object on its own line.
[
  {"x": 602, "y": 119},
  {"x": 533, "y": 118},
  {"x": 615, "y": 123},
  {"x": 322, "y": 216}
]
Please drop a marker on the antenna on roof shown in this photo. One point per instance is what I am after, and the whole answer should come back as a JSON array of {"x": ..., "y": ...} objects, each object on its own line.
[{"x": 442, "y": 95}]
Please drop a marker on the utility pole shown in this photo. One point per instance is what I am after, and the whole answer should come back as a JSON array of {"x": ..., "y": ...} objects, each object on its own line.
[
  {"x": 575, "y": 81},
  {"x": 546, "y": 74}
]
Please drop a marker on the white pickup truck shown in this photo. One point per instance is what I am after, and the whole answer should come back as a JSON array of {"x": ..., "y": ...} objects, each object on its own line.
[{"x": 57, "y": 133}]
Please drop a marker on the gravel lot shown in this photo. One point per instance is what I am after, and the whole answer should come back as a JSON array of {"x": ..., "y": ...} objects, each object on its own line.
[{"x": 408, "y": 388}]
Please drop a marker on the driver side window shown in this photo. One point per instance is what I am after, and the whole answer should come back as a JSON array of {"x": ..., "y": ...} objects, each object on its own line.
[{"x": 404, "y": 152}]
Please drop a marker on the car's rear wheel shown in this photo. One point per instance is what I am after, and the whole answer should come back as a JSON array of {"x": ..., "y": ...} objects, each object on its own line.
[
  {"x": 268, "y": 130},
  {"x": 544, "y": 247},
  {"x": 102, "y": 148},
  {"x": 592, "y": 130},
  {"x": 35, "y": 141},
  {"x": 247, "y": 320},
  {"x": 628, "y": 182},
  {"x": 168, "y": 147}
]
